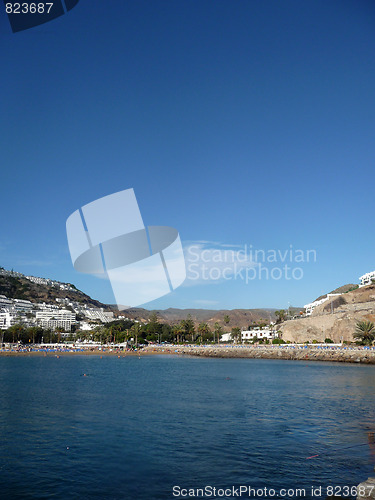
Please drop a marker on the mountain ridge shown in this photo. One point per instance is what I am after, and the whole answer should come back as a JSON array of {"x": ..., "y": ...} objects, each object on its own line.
[{"x": 17, "y": 286}]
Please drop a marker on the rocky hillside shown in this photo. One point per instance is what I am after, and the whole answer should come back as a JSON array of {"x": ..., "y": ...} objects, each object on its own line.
[
  {"x": 19, "y": 287},
  {"x": 340, "y": 289},
  {"x": 22, "y": 288},
  {"x": 335, "y": 319}
]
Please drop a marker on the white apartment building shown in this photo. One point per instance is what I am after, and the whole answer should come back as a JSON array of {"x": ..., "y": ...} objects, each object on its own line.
[
  {"x": 260, "y": 334},
  {"x": 5, "y": 302},
  {"x": 38, "y": 281},
  {"x": 15, "y": 304},
  {"x": 57, "y": 323},
  {"x": 63, "y": 301},
  {"x": 93, "y": 314},
  {"x": 47, "y": 307},
  {"x": 4, "y": 272},
  {"x": 226, "y": 337},
  {"x": 64, "y": 286},
  {"x": 8, "y": 319},
  {"x": 367, "y": 278},
  {"x": 49, "y": 282},
  {"x": 23, "y": 305},
  {"x": 47, "y": 314},
  {"x": 310, "y": 307},
  {"x": 251, "y": 334},
  {"x": 55, "y": 319}
]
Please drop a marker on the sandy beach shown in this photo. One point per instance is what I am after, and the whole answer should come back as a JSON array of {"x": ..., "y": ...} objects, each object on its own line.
[{"x": 76, "y": 352}]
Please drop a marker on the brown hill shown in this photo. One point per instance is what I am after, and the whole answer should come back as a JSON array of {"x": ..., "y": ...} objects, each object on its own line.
[
  {"x": 340, "y": 289},
  {"x": 241, "y": 318},
  {"x": 22, "y": 288},
  {"x": 19, "y": 287}
]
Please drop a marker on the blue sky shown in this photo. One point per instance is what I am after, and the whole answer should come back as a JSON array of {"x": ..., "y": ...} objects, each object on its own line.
[{"x": 238, "y": 123}]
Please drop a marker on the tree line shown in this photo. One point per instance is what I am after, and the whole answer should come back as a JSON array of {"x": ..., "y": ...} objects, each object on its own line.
[{"x": 119, "y": 331}]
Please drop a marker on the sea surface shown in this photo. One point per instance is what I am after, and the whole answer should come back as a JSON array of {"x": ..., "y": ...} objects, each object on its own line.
[{"x": 85, "y": 427}]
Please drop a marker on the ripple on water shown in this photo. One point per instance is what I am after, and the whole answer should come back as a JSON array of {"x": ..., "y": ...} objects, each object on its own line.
[{"x": 133, "y": 430}]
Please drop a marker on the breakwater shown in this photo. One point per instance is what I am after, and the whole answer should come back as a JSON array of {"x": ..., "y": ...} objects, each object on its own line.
[{"x": 341, "y": 354}]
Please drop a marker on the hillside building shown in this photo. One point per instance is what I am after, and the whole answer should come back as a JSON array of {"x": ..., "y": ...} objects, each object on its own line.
[
  {"x": 310, "y": 307},
  {"x": 23, "y": 305},
  {"x": 5, "y": 302},
  {"x": 8, "y": 319},
  {"x": 367, "y": 278},
  {"x": 55, "y": 319}
]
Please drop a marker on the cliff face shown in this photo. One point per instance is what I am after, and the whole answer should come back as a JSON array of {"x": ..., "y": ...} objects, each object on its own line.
[{"x": 335, "y": 319}]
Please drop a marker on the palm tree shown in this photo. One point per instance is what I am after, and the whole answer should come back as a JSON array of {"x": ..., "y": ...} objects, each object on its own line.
[
  {"x": 236, "y": 334},
  {"x": 365, "y": 332},
  {"x": 188, "y": 325},
  {"x": 49, "y": 330},
  {"x": 280, "y": 315},
  {"x": 59, "y": 331},
  {"x": 153, "y": 325},
  {"x": 178, "y": 330},
  {"x": 136, "y": 329},
  {"x": 226, "y": 319},
  {"x": 16, "y": 331},
  {"x": 98, "y": 333},
  {"x": 217, "y": 331},
  {"x": 204, "y": 330},
  {"x": 32, "y": 332},
  {"x": 108, "y": 335}
]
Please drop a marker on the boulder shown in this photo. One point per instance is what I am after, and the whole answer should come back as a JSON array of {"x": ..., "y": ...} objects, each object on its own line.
[{"x": 366, "y": 490}]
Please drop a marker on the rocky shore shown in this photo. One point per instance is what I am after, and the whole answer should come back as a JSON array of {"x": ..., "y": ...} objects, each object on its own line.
[{"x": 341, "y": 354}]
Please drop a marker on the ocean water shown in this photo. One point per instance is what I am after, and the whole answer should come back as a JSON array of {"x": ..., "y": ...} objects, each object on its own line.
[{"x": 135, "y": 428}]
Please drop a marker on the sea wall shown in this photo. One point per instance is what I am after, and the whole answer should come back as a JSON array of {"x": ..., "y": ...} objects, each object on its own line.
[{"x": 302, "y": 353}]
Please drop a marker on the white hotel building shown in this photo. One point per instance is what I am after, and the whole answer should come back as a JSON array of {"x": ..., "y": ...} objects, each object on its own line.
[
  {"x": 15, "y": 304},
  {"x": 23, "y": 305},
  {"x": 5, "y": 302},
  {"x": 55, "y": 319},
  {"x": 8, "y": 319},
  {"x": 310, "y": 307},
  {"x": 12, "y": 312},
  {"x": 260, "y": 334},
  {"x": 251, "y": 334},
  {"x": 367, "y": 278}
]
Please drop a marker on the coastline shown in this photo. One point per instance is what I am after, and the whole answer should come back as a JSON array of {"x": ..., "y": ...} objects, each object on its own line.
[
  {"x": 74, "y": 352},
  {"x": 342, "y": 354}
]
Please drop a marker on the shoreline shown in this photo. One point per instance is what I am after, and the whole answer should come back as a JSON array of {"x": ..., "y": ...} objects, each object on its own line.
[
  {"x": 362, "y": 355},
  {"x": 77, "y": 352},
  {"x": 357, "y": 354}
]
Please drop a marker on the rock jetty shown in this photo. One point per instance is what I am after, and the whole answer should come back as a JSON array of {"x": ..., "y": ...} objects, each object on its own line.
[{"x": 341, "y": 354}]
